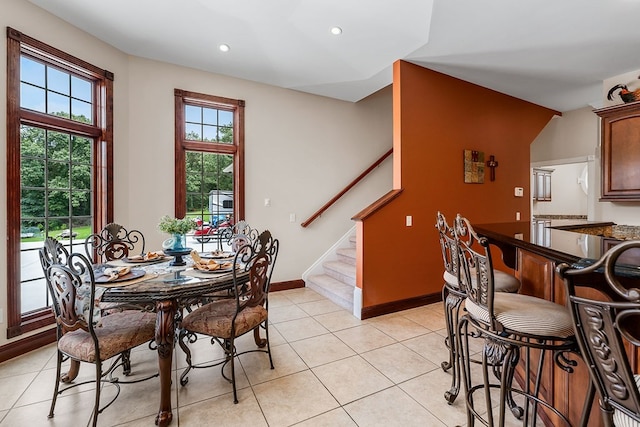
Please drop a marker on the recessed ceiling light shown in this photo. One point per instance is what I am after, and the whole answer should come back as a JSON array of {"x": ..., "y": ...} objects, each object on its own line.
[
  {"x": 336, "y": 31},
  {"x": 224, "y": 47}
]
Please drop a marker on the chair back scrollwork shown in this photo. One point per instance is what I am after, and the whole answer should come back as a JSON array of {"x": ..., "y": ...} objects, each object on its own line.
[
  {"x": 476, "y": 268},
  {"x": 448, "y": 245},
  {"x": 114, "y": 242},
  {"x": 258, "y": 259},
  {"x": 71, "y": 283},
  {"x": 604, "y": 328}
]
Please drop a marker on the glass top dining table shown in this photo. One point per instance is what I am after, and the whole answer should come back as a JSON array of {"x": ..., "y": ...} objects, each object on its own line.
[{"x": 166, "y": 290}]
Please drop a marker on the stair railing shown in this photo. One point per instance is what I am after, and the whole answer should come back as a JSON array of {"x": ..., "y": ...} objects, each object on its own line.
[{"x": 344, "y": 190}]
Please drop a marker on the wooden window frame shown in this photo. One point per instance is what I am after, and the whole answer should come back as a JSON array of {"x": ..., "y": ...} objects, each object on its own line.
[
  {"x": 102, "y": 130},
  {"x": 182, "y": 145}
]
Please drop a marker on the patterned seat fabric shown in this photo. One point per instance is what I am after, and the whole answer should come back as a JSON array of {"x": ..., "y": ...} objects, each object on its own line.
[
  {"x": 216, "y": 319},
  {"x": 119, "y": 332}
]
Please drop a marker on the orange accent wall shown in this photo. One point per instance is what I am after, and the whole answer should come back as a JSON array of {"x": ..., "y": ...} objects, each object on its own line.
[{"x": 435, "y": 118}]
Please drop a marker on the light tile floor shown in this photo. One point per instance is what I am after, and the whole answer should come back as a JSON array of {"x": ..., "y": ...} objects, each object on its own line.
[{"x": 331, "y": 369}]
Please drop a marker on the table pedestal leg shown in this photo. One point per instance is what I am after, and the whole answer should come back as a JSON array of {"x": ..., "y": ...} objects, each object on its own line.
[
  {"x": 74, "y": 368},
  {"x": 260, "y": 342},
  {"x": 165, "y": 331}
]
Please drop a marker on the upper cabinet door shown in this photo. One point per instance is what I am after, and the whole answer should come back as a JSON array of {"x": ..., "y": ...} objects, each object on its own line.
[
  {"x": 620, "y": 135},
  {"x": 542, "y": 184}
]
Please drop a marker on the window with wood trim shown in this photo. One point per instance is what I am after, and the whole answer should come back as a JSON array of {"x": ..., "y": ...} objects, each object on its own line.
[
  {"x": 209, "y": 141},
  {"x": 59, "y": 166}
]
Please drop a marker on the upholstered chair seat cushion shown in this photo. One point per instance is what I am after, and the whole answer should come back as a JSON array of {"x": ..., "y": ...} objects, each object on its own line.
[
  {"x": 620, "y": 419},
  {"x": 216, "y": 319},
  {"x": 526, "y": 315},
  {"x": 503, "y": 282},
  {"x": 119, "y": 332}
]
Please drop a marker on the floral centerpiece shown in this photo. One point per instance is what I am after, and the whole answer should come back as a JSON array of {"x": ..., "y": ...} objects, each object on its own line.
[
  {"x": 171, "y": 225},
  {"x": 178, "y": 228}
]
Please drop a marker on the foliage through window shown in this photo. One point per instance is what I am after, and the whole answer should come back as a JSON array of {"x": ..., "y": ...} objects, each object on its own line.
[
  {"x": 209, "y": 165},
  {"x": 59, "y": 146}
]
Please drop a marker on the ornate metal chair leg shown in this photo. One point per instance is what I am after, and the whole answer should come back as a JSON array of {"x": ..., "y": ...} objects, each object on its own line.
[
  {"x": 516, "y": 410},
  {"x": 183, "y": 377},
  {"x": 446, "y": 365},
  {"x": 452, "y": 311},
  {"x": 126, "y": 362},
  {"x": 96, "y": 405},
  {"x": 56, "y": 388}
]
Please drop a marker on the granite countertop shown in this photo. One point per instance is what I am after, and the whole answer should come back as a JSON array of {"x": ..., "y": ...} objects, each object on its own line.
[{"x": 561, "y": 240}]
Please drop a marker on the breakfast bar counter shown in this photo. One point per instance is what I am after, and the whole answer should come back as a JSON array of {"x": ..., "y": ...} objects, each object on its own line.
[{"x": 534, "y": 249}]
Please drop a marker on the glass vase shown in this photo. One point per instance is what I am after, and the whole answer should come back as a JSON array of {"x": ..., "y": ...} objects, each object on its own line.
[{"x": 179, "y": 242}]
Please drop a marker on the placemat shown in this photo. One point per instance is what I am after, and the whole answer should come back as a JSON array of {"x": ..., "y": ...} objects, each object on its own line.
[
  {"x": 122, "y": 263},
  {"x": 201, "y": 275},
  {"x": 146, "y": 277}
]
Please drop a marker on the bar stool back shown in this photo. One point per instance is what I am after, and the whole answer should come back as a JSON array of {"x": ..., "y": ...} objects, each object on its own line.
[
  {"x": 604, "y": 328},
  {"x": 453, "y": 296},
  {"x": 508, "y": 323}
]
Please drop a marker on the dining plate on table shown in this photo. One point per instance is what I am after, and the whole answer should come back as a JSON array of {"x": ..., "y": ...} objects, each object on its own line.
[
  {"x": 217, "y": 255},
  {"x": 145, "y": 259},
  {"x": 134, "y": 273},
  {"x": 216, "y": 271}
]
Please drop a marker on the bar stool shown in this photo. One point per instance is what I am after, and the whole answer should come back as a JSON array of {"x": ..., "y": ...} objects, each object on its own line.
[
  {"x": 508, "y": 323},
  {"x": 601, "y": 326},
  {"x": 452, "y": 297}
]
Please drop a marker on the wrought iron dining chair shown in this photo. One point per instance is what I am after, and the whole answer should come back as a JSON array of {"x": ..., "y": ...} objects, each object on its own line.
[
  {"x": 114, "y": 242},
  {"x": 452, "y": 297},
  {"x": 605, "y": 328},
  {"x": 82, "y": 335},
  {"x": 509, "y": 324},
  {"x": 227, "y": 319}
]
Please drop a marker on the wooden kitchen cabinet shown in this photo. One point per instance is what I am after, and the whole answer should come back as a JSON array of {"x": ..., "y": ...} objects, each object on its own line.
[
  {"x": 542, "y": 184},
  {"x": 620, "y": 140}
]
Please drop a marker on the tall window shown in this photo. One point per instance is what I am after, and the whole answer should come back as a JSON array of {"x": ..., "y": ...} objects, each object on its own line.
[
  {"x": 209, "y": 164},
  {"x": 59, "y": 149}
]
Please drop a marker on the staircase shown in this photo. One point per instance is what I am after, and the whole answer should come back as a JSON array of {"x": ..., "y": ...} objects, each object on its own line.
[{"x": 334, "y": 276}]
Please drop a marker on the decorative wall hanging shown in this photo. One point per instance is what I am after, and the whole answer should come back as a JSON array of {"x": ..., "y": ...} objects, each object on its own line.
[
  {"x": 473, "y": 167},
  {"x": 492, "y": 164}
]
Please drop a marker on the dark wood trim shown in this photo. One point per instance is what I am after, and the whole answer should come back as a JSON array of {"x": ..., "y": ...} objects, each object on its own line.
[
  {"x": 377, "y": 205},
  {"x": 180, "y": 173},
  {"x": 25, "y": 345},
  {"x": 352, "y": 184},
  {"x": 182, "y": 97},
  {"x": 50, "y": 53},
  {"x": 31, "y": 322},
  {"x": 394, "y": 306},
  {"x": 289, "y": 284},
  {"x": 101, "y": 132},
  {"x": 13, "y": 190}
]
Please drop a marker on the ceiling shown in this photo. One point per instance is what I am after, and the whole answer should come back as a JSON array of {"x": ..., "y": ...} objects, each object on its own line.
[{"x": 549, "y": 52}]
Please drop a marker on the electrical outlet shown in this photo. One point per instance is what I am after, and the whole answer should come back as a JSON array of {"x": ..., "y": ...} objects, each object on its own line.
[
  {"x": 409, "y": 221},
  {"x": 517, "y": 216},
  {"x": 519, "y": 192},
  {"x": 292, "y": 217}
]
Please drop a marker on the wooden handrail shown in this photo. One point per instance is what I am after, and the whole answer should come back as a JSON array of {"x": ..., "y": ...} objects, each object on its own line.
[{"x": 347, "y": 188}]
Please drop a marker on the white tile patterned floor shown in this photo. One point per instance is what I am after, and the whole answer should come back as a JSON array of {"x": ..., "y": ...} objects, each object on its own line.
[{"x": 331, "y": 369}]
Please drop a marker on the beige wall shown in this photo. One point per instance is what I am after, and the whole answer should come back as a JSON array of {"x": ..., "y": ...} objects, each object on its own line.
[
  {"x": 576, "y": 137},
  {"x": 300, "y": 149},
  {"x": 574, "y": 134}
]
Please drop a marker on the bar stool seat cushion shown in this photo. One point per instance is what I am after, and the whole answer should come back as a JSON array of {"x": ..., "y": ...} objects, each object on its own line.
[
  {"x": 526, "y": 315},
  {"x": 620, "y": 419},
  {"x": 503, "y": 282}
]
